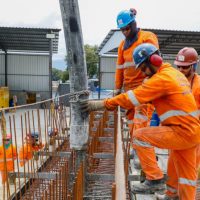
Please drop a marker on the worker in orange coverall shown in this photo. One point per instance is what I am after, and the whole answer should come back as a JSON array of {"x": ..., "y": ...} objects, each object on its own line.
[
  {"x": 11, "y": 154},
  {"x": 31, "y": 147},
  {"x": 170, "y": 93},
  {"x": 186, "y": 62},
  {"x": 126, "y": 76}
]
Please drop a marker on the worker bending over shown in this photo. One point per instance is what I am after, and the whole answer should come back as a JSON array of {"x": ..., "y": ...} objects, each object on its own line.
[
  {"x": 30, "y": 148},
  {"x": 170, "y": 93},
  {"x": 7, "y": 158}
]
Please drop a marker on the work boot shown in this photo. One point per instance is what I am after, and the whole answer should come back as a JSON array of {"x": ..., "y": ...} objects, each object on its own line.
[
  {"x": 149, "y": 186},
  {"x": 165, "y": 197}
]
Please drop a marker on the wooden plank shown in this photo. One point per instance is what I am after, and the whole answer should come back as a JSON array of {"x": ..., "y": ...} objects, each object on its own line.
[{"x": 119, "y": 169}]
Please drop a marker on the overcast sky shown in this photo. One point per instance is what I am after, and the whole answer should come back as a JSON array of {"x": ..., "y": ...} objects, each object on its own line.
[{"x": 98, "y": 17}]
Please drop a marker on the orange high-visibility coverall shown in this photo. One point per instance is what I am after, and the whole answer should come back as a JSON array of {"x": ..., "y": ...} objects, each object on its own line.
[
  {"x": 25, "y": 154},
  {"x": 128, "y": 77},
  {"x": 172, "y": 186},
  {"x": 195, "y": 85},
  {"x": 11, "y": 155},
  {"x": 170, "y": 93}
]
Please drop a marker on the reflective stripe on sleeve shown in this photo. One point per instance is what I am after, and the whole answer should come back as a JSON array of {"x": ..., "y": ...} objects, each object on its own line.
[
  {"x": 140, "y": 116},
  {"x": 133, "y": 98},
  {"x": 120, "y": 66},
  {"x": 187, "y": 181},
  {"x": 141, "y": 143},
  {"x": 129, "y": 64},
  {"x": 173, "y": 113}
]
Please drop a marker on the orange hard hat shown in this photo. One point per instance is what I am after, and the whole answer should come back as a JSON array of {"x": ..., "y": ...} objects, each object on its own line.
[{"x": 186, "y": 56}]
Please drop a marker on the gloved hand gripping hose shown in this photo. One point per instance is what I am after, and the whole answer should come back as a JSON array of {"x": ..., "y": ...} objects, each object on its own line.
[{"x": 87, "y": 106}]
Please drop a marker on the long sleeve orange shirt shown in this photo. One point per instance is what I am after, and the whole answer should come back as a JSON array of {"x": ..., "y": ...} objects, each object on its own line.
[
  {"x": 195, "y": 85},
  {"x": 126, "y": 75},
  {"x": 170, "y": 93},
  {"x": 11, "y": 155}
]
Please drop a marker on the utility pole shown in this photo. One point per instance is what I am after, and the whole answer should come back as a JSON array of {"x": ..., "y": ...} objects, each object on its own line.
[{"x": 77, "y": 70}]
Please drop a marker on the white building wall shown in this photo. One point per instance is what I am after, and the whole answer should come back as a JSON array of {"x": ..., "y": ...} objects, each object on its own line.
[
  {"x": 107, "y": 71},
  {"x": 28, "y": 72}
]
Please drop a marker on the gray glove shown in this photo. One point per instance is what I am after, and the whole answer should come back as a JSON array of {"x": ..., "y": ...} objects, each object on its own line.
[
  {"x": 117, "y": 92},
  {"x": 91, "y": 105}
]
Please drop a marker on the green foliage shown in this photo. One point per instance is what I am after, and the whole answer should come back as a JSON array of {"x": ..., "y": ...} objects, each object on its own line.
[
  {"x": 60, "y": 75},
  {"x": 65, "y": 75},
  {"x": 91, "y": 59},
  {"x": 56, "y": 74}
]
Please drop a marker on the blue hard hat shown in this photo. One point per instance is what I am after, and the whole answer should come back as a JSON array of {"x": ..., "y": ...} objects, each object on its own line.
[
  {"x": 124, "y": 18},
  {"x": 142, "y": 52},
  {"x": 35, "y": 135}
]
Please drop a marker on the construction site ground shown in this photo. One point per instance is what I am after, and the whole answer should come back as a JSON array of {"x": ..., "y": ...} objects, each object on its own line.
[
  {"x": 56, "y": 175},
  {"x": 18, "y": 113}
]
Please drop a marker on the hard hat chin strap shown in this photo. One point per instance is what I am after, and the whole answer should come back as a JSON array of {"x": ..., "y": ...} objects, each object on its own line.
[{"x": 152, "y": 70}]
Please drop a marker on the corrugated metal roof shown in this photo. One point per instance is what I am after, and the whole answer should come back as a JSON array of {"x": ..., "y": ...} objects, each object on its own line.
[
  {"x": 170, "y": 41},
  {"x": 27, "y": 39}
]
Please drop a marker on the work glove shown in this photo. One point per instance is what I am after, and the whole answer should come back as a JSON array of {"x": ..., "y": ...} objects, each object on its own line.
[
  {"x": 117, "y": 92},
  {"x": 87, "y": 106}
]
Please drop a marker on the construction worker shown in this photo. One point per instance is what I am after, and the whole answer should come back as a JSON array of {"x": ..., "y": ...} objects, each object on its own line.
[
  {"x": 186, "y": 62},
  {"x": 126, "y": 75},
  {"x": 30, "y": 148},
  {"x": 170, "y": 93},
  {"x": 7, "y": 158}
]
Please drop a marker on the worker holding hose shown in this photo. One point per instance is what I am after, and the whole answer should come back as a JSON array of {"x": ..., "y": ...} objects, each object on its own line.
[{"x": 170, "y": 93}]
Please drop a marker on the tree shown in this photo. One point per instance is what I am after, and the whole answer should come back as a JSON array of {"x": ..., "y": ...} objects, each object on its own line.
[
  {"x": 65, "y": 75},
  {"x": 91, "y": 59},
  {"x": 56, "y": 74}
]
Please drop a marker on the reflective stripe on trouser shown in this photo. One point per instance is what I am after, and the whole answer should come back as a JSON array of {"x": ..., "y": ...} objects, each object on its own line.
[
  {"x": 184, "y": 177},
  {"x": 140, "y": 119},
  {"x": 142, "y": 116},
  {"x": 183, "y": 155},
  {"x": 172, "y": 179}
]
